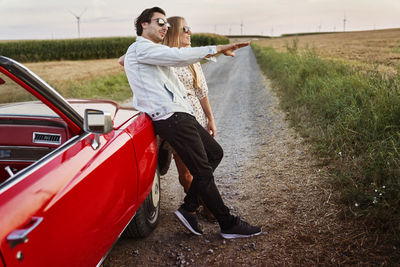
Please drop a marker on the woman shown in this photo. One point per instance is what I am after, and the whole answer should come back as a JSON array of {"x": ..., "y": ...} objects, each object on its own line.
[{"x": 192, "y": 77}]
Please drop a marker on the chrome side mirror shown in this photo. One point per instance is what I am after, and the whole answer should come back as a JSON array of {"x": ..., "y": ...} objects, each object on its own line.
[{"x": 97, "y": 122}]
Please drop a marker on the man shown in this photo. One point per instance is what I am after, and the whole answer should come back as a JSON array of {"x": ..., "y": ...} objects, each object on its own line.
[{"x": 159, "y": 93}]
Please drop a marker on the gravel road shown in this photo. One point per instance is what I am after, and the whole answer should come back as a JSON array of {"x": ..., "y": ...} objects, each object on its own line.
[{"x": 267, "y": 176}]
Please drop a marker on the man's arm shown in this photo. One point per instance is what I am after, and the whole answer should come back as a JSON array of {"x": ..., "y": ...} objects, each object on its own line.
[
  {"x": 162, "y": 55},
  {"x": 156, "y": 54}
]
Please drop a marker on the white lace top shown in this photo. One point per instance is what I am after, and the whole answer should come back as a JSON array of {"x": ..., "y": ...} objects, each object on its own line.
[{"x": 194, "y": 94}]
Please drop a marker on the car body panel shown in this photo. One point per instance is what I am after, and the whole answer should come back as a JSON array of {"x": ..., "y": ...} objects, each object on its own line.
[{"x": 146, "y": 147}]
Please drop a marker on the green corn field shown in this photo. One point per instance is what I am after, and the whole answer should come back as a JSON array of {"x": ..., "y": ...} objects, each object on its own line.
[{"x": 82, "y": 49}]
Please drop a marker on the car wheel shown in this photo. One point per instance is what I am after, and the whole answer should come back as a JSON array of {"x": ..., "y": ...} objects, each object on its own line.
[{"x": 147, "y": 216}]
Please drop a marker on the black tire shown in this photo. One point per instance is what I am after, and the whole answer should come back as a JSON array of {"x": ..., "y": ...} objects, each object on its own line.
[{"x": 147, "y": 216}]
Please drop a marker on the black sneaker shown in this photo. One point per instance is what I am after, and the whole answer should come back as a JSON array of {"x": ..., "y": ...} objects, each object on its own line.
[
  {"x": 240, "y": 229},
  {"x": 189, "y": 221}
]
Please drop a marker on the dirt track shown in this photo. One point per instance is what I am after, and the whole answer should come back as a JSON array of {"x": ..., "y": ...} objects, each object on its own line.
[{"x": 268, "y": 176}]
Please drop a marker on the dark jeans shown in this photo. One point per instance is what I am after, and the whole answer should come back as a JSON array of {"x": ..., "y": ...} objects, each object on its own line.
[{"x": 201, "y": 155}]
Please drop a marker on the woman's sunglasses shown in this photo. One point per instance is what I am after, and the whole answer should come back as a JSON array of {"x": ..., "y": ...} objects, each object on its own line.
[
  {"x": 161, "y": 22},
  {"x": 186, "y": 29}
]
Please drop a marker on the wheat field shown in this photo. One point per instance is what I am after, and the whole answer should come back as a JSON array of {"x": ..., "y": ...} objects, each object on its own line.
[
  {"x": 379, "y": 47},
  {"x": 60, "y": 73}
]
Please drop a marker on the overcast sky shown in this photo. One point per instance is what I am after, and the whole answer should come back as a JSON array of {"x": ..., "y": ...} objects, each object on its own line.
[{"x": 52, "y": 19}]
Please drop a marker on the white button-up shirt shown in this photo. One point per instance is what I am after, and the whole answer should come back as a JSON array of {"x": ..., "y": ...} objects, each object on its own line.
[{"x": 156, "y": 89}]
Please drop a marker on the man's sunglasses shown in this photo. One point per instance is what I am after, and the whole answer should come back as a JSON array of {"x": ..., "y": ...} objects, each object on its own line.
[
  {"x": 161, "y": 22},
  {"x": 186, "y": 29}
]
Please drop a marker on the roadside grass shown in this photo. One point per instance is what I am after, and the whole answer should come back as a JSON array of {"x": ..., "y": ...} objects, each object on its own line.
[
  {"x": 114, "y": 87},
  {"x": 352, "y": 117}
]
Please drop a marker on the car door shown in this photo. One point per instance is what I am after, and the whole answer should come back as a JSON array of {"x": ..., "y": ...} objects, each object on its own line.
[{"x": 72, "y": 206}]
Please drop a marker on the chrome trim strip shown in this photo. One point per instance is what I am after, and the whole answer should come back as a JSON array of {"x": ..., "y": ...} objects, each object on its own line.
[{"x": 21, "y": 175}]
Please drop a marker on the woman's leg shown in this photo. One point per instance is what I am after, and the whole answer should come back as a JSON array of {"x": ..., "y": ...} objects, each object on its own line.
[{"x": 185, "y": 178}]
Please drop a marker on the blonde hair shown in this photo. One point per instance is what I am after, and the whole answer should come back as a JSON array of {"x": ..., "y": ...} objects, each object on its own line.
[{"x": 172, "y": 39}]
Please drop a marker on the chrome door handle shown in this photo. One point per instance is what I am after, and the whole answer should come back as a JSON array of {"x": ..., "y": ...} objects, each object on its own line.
[{"x": 21, "y": 235}]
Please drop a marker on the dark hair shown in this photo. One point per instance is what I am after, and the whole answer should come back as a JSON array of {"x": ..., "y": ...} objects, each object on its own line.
[{"x": 146, "y": 16}]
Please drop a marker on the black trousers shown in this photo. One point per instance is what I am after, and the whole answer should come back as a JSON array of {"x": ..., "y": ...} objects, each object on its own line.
[{"x": 201, "y": 155}]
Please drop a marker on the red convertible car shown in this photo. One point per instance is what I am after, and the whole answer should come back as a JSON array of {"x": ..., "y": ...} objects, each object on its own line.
[{"x": 74, "y": 174}]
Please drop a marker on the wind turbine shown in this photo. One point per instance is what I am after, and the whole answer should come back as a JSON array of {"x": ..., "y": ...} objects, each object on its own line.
[{"x": 78, "y": 20}]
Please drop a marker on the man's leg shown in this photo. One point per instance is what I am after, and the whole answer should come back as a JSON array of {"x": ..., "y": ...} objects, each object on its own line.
[
  {"x": 181, "y": 131},
  {"x": 206, "y": 185}
]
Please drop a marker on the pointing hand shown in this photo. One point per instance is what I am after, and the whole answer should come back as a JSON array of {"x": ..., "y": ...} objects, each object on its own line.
[{"x": 228, "y": 49}]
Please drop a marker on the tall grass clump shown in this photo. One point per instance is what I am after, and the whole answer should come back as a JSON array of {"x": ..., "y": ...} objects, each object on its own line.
[{"x": 352, "y": 116}]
